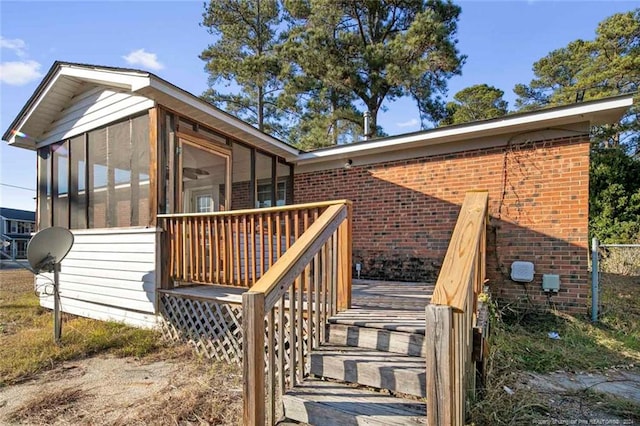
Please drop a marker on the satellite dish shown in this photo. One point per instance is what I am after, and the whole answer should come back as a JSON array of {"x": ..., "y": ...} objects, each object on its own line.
[
  {"x": 45, "y": 251},
  {"x": 49, "y": 247}
]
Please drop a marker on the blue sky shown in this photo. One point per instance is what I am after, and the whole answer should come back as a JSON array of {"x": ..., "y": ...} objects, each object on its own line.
[{"x": 501, "y": 39}]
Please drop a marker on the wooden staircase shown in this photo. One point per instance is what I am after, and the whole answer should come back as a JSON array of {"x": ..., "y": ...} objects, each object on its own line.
[
  {"x": 330, "y": 353},
  {"x": 370, "y": 371}
]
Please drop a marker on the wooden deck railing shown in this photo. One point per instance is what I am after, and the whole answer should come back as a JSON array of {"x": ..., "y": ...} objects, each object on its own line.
[
  {"x": 285, "y": 312},
  {"x": 451, "y": 316},
  {"x": 231, "y": 248}
]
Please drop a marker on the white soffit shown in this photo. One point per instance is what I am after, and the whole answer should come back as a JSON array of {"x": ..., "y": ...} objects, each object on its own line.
[
  {"x": 595, "y": 112},
  {"x": 51, "y": 98}
]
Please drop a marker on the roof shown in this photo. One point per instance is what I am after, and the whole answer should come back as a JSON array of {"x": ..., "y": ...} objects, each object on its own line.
[
  {"x": 601, "y": 111},
  {"x": 15, "y": 214},
  {"x": 64, "y": 76},
  {"x": 63, "y": 80}
]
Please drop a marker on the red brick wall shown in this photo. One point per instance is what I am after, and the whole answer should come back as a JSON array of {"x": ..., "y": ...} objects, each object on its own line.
[
  {"x": 404, "y": 213},
  {"x": 241, "y": 195}
]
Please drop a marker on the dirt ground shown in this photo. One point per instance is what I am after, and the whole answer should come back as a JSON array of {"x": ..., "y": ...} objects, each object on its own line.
[
  {"x": 125, "y": 391},
  {"x": 583, "y": 398},
  {"x": 173, "y": 387}
]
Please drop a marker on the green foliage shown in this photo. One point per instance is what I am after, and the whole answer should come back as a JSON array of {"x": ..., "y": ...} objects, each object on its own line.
[
  {"x": 244, "y": 59},
  {"x": 584, "y": 70},
  {"x": 371, "y": 52},
  {"x": 614, "y": 201},
  {"x": 304, "y": 69},
  {"x": 473, "y": 103},
  {"x": 26, "y": 338}
]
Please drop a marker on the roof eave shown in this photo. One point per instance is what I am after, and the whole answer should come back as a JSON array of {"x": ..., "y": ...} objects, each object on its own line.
[
  {"x": 602, "y": 111},
  {"x": 129, "y": 80},
  {"x": 171, "y": 90},
  {"x": 134, "y": 81}
]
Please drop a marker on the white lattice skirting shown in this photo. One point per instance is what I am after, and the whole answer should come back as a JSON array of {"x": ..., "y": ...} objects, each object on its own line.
[{"x": 214, "y": 329}]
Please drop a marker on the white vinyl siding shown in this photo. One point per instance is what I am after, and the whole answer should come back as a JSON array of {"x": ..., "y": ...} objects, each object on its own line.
[
  {"x": 91, "y": 109},
  {"x": 108, "y": 275}
]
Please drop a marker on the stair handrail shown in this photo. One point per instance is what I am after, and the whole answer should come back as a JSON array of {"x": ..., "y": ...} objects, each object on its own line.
[
  {"x": 318, "y": 262},
  {"x": 451, "y": 316}
]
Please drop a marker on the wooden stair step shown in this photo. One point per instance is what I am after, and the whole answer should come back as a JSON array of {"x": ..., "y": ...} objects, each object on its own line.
[
  {"x": 398, "y": 342},
  {"x": 382, "y": 370},
  {"x": 408, "y": 321},
  {"x": 318, "y": 402}
]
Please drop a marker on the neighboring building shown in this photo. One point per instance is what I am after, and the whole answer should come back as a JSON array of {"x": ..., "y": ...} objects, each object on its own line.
[
  {"x": 119, "y": 148},
  {"x": 16, "y": 227}
]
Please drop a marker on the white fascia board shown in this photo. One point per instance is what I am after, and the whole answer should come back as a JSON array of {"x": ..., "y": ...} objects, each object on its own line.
[
  {"x": 24, "y": 142},
  {"x": 125, "y": 80},
  {"x": 539, "y": 119},
  {"x": 214, "y": 112}
]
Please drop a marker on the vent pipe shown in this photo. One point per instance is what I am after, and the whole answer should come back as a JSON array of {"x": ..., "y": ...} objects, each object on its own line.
[{"x": 367, "y": 125}]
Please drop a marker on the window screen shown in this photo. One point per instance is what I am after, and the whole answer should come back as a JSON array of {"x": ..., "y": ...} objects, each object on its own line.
[
  {"x": 78, "y": 184},
  {"x": 44, "y": 187},
  {"x": 140, "y": 171},
  {"x": 97, "y": 189},
  {"x": 61, "y": 184},
  {"x": 264, "y": 187}
]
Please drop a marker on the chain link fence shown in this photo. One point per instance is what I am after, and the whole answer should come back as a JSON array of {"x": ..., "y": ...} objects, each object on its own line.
[{"x": 615, "y": 259}]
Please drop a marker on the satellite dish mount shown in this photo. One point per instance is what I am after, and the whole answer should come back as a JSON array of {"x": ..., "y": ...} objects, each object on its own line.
[{"x": 45, "y": 251}]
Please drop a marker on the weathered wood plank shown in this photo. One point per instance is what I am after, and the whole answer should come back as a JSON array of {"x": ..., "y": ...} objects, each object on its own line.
[
  {"x": 253, "y": 358},
  {"x": 336, "y": 404},
  {"x": 439, "y": 365},
  {"x": 372, "y": 338},
  {"x": 291, "y": 207},
  {"x": 374, "y": 368}
]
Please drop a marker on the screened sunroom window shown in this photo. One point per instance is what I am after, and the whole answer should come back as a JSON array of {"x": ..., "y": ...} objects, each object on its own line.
[
  {"x": 61, "y": 184},
  {"x": 99, "y": 179},
  {"x": 44, "y": 187},
  {"x": 264, "y": 187}
]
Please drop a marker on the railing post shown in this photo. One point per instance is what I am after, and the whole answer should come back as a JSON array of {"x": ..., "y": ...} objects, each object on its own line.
[
  {"x": 253, "y": 358},
  {"x": 594, "y": 280},
  {"x": 166, "y": 271},
  {"x": 344, "y": 261},
  {"x": 439, "y": 356}
]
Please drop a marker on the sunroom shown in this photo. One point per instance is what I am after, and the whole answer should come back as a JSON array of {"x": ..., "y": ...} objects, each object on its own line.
[{"x": 123, "y": 156}]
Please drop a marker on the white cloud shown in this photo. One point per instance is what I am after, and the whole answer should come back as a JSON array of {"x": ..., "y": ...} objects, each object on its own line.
[
  {"x": 19, "y": 73},
  {"x": 411, "y": 123},
  {"x": 146, "y": 59},
  {"x": 16, "y": 44}
]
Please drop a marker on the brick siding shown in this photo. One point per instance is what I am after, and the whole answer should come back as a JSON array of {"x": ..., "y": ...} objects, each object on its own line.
[{"x": 404, "y": 213}]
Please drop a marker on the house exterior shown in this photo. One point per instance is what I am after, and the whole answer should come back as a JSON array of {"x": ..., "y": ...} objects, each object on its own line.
[
  {"x": 16, "y": 227},
  {"x": 125, "y": 159}
]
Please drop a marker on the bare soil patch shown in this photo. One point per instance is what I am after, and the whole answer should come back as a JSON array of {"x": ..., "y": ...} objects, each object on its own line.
[
  {"x": 126, "y": 391},
  {"x": 102, "y": 373}
]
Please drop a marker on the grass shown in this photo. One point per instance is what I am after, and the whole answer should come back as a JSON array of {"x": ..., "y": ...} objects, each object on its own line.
[
  {"x": 583, "y": 346},
  {"x": 199, "y": 392},
  {"x": 520, "y": 343},
  {"x": 26, "y": 333},
  {"x": 46, "y": 407}
]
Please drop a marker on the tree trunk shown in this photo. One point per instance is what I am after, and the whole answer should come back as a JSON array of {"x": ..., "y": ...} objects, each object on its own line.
[
  {"x": 260, "y": 108},
  {"x": 373, "y": 124}
]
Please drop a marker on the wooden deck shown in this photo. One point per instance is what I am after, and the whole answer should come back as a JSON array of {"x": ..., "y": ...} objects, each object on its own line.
[{"x": 406, "y": 299}]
